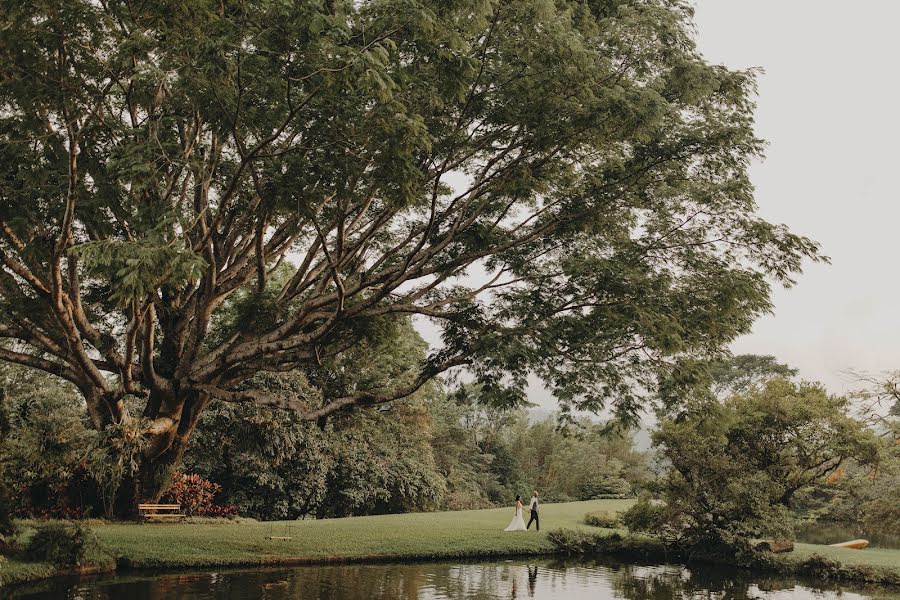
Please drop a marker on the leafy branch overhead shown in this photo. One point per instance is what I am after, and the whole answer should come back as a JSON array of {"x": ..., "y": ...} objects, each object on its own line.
[
  {"x": 136, "y": 268},
  {"x": 560, "y": 186}
]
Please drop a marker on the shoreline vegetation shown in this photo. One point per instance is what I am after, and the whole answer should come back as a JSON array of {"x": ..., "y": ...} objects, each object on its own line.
[{"x": 471, "y": 534}]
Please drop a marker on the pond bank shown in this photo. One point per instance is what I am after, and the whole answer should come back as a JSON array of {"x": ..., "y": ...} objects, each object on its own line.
[
  {"x": 824, "y": 563},
  {"x": 408, "y": 537}
]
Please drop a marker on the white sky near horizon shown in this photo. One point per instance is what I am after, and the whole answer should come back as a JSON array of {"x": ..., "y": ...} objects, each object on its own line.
[{"x": 827, "y": 107}]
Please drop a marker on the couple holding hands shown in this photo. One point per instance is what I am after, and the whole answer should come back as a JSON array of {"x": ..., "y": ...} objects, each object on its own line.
[{"x": 518, "y": 523}]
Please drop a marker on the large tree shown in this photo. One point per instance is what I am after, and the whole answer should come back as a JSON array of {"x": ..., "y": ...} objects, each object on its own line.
[
  {"x": 737, "y": 468},
  {"x": 577, "y": 159},
  {"x": 740, "y": 373}
]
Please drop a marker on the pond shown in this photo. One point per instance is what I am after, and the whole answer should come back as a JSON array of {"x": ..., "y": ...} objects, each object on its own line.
[{"x": 513, "y": 579}]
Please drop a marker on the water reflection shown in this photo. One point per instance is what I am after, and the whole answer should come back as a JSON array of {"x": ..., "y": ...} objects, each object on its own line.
[{"x": 516, "y": 580}]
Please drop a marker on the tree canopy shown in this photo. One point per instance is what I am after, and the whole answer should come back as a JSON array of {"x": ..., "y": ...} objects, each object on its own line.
[
  {"x": 736, "y": 470},
  {"x": 738, "y": 374},
  {"x": 560, "y": 185}
]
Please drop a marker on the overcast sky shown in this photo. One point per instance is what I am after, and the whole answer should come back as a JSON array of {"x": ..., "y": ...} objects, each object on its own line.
[{"x": 828, "y": 106}]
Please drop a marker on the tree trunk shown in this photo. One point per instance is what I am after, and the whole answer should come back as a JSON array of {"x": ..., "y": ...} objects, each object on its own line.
[
  {"x": 166, "y": 448},
  {"x": 148, "y": 484}
]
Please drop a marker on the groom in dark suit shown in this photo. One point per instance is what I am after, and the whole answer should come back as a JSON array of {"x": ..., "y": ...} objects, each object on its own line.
[{"x": 534, "y": 512}]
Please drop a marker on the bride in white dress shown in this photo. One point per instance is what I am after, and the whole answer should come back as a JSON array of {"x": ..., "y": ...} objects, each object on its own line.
[{"x": 517, "y": 523}]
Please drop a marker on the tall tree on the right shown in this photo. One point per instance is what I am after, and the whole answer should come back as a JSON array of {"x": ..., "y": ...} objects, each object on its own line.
[{"x": 739, "y": 373}]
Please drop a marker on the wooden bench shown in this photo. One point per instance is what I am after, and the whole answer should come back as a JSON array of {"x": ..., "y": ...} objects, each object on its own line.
[{"x": 163, "y": 512}]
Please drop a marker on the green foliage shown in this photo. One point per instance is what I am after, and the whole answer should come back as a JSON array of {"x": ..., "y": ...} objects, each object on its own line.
[
  {"x": 882, "y": 513},
  {"x": 436, "y": 451},
  {"x": 737, "y": 467},
  {"x": 384, "y": 464},
  {"x": 44, "y": 465},
  {"x": 62, "y": 544},
  {"x": 862, "y": 495},
  {"x": 336, "y": 166},
  {"x": 604, "y": 486},
  {"x": 269, "y": 465},
  {"x": 581, "y": 462},
  {"x": 657, "y": 518},
  {"x": 135, "y": 268},
  {"x": 580, "y": 542},
  {"x": 196, "y": 496},
  {"x": 7, "y": 528},
  {"x": 465, "y": 468},
  {"x": 115, "y": 457},
  {"x": 826, "y": 569},
  {"x": 738, "y": 374},
  {"x": 602, "y": 518},
  {"x": 490, "y": 455},
  {"x": 273, "y": 465}
]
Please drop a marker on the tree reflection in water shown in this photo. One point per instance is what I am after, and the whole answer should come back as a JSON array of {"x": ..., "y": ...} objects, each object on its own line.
[{"x": 515, "y": 579}]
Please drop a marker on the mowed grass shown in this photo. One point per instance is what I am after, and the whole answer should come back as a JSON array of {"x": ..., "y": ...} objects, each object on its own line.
[
  {"x": 471, "y": 533},
  {"x": 886, "y": 558},
  {"x": 417, "y": 536}
]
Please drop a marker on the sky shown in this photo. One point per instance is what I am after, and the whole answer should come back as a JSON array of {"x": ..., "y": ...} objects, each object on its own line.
[{"x": 828, "y": 107}]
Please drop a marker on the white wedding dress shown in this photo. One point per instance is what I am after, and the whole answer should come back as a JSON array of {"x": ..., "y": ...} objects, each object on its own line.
[{"x": 518, "y": 523}]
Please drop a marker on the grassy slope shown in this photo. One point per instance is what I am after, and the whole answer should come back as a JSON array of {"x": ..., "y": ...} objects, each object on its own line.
[
  {"x": 411, "y": 536},
  {"x": 420, "y": 535},
  {"x": 870, "y": 557}
]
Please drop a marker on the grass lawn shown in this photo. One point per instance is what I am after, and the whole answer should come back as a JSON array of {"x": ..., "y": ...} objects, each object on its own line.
[
  {"x": 468, "y": 534},
  {"x": 418, "y": 535},
  {"x": 888, "y": 558},
  {"x": 474, "y": 533}
]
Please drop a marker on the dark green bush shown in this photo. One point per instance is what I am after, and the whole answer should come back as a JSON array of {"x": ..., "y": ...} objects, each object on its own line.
[
  {"x": 602, "y": 518},
  {"x": 570, "y": 541},
  {"x": 62, "y": 544},
  {"x": 604, "y": 486},
  {"x": 819, "y": 567},
  {"x": 646, "y": 516},
  {"x": 573, "y": 542},
  {"x": 7, "y": 528},
  {"x": 9, "y": 545}
]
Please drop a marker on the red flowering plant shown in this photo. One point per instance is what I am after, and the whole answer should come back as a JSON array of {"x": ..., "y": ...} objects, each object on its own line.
[{"x": 196, "y": 497}]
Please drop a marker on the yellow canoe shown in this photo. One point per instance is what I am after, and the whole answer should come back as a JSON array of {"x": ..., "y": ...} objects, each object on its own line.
[{"x": 855, "y": 544}]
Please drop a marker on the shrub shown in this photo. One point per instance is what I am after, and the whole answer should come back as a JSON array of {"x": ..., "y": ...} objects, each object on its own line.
[
  {"x": 883, "y": 513},
  {"x": 819, "y": 567},
  {"x": 7, "y": 528},
  {"x": 44, "y": 466},
  {"x": 604, "y": 486},
  {"x": 602, "y": 518},
  {"x": 569, "y": 541},
  {"x": 219, "y": 511},
  {"x": 62, "y": 544},
  {"x": 196, "y": 495},
  {"x": 55, "y": 501},
  {"x": 9, "y": 545},
  {"x": 646, "y": 516}
]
